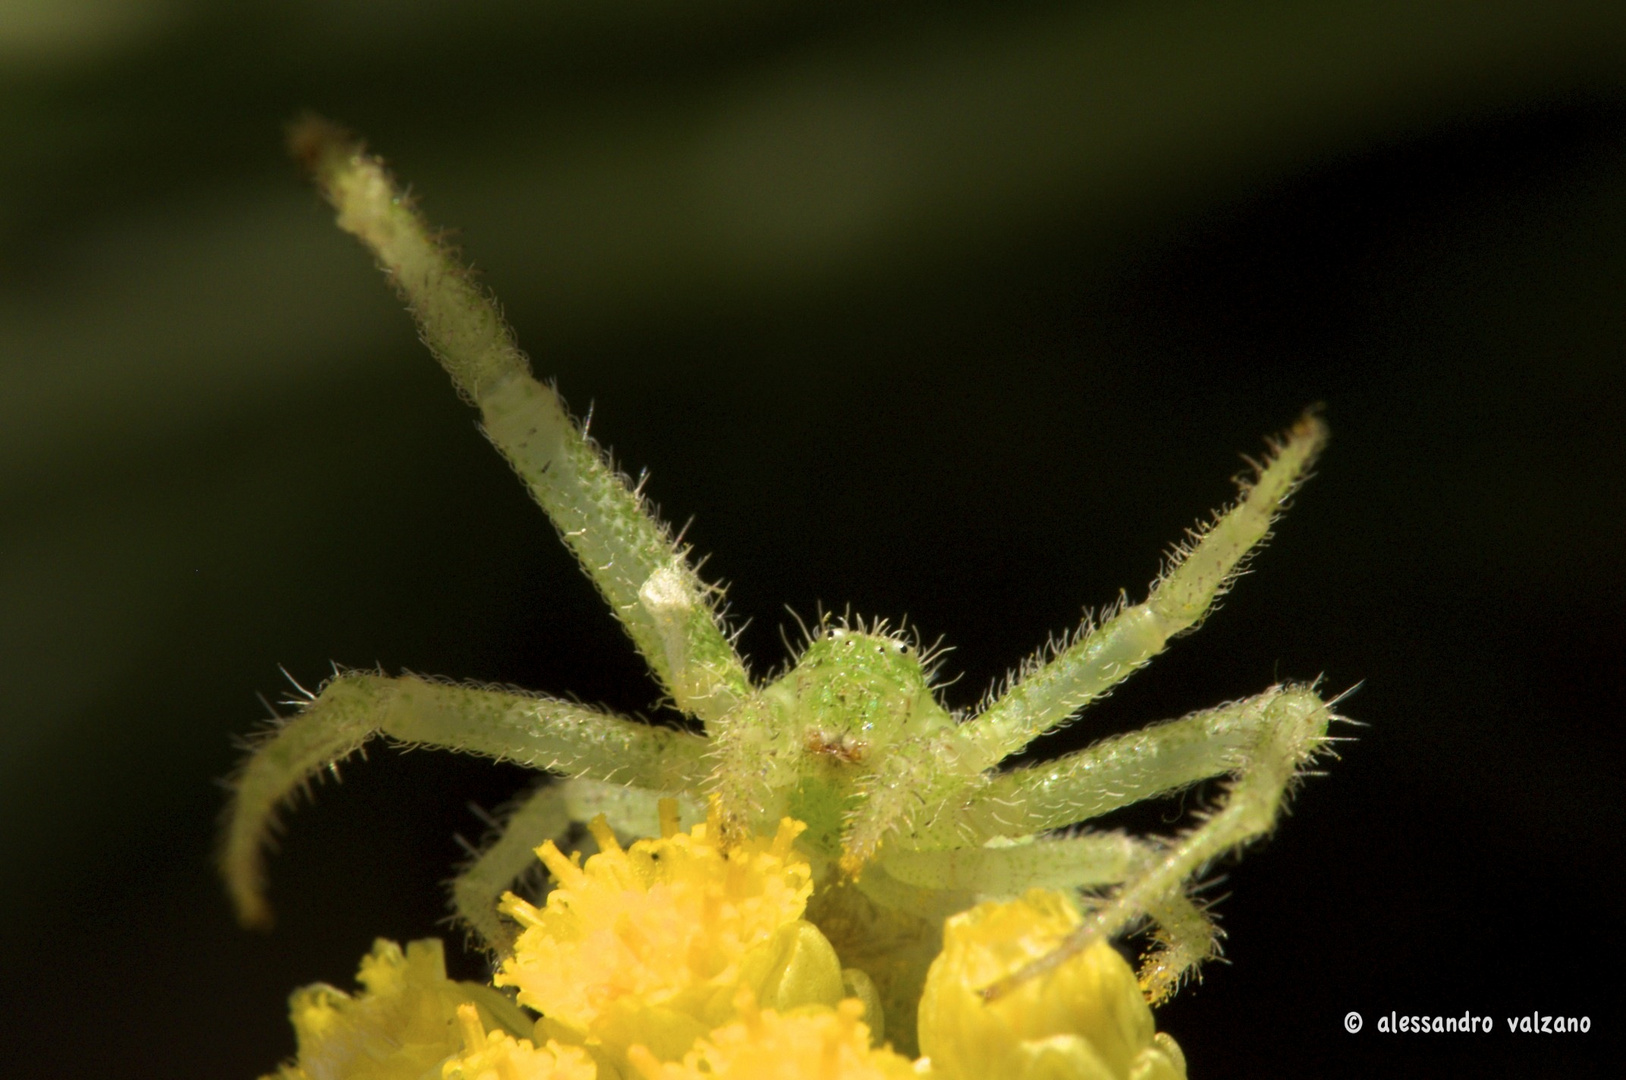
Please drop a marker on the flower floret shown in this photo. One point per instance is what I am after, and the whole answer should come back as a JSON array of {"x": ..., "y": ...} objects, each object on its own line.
[
  {"x": 652, "y": 944},
  {"x": 1087, "y": 1020},
  {"x": 497, "y": 1055},
  {"x": 401, "y": 1026},
  {"x": 814, "y": 1042}
]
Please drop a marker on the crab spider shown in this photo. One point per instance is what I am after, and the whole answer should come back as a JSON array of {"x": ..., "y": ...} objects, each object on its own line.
[{"x": 910, "y": 816}]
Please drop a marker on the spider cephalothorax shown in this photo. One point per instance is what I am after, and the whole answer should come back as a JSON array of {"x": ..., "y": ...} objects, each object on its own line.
[
  {"x": 851, "y": 698},
  {"x": 910, "y": 814}
]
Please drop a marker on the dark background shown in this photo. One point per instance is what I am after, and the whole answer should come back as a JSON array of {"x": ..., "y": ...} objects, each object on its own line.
[{"x": 959, "y": 311}]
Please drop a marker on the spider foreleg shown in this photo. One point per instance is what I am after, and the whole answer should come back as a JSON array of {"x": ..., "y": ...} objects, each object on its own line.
[
  {"x": 1095, "y": 660},
  {"x": 922, "y": 780},
  {"x": 644, "y": 575},
  {"x": 1293, "y": 725},
  {"x": 543, "y": 733},
  {"x": 1198, "y": 573}
]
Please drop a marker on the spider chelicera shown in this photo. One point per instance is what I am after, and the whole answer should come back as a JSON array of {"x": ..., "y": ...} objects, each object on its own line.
[{"x": 910, "y": 816}]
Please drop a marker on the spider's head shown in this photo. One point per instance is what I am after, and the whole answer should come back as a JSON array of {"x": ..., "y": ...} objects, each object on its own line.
[{"x": 852, "y": 695}]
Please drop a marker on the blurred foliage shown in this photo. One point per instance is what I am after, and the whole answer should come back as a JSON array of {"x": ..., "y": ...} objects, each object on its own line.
[{"x": 954, "y": 309}]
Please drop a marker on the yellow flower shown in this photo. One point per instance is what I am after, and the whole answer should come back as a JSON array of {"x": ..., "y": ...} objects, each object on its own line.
[
  {"x": 687, "y": 958},
  {"x": 497, "y": 1055},
  {"x": 1087, "y": 1020},
  {"x": 652, "y": 945},
  {"x": 815, "y": 1042},
  {"x": 402, "y": 1025}
]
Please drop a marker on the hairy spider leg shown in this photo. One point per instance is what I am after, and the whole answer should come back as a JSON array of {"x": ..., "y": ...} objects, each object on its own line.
[
  {"x": 1185, "y": 938},
  {"x": 511, "y": 855},
  {"x": 1110, "y": 774},
  {"x": 633, "y": 813},
  {"x": 643, "y": 574},
  {"x": 1197, "y": 573},
  {"x": 546, "y": 814},
  {"x": 1121, "y": 770},
  {"x": 1008, "y": 870},
  {"x": 543, "y": 733},
  {"x": 1047, "y": 694},
  {"x": 1290, "y": 724}
]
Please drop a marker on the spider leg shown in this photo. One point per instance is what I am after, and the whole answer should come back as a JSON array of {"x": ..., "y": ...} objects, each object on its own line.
[
  {"x": 1198, "y": 572},
  {"x": 1097, "y": 658},
  {"x": 351, "y": 708},
  {"x": 631, "y": 556},
  {"x": 1185, "y": 937},
  {"x": 546, "y": 814},
  {"x": 632, "y": 812},
  {"x": 1119, "y": 771},
  {"x": 541, "y": 817},
  {"x": 1291, "y": 726},
  {"x": 1004, "y": 870}
]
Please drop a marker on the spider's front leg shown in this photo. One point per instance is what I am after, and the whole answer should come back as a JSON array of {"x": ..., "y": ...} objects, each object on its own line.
[
  {"x": 1196, "y": 575},
  {"x": 353, "y": 707},
  {"x": 644, "y": 575},
  {"x": 642, "y": 572},
  {"x": 1052, "y": 688}
]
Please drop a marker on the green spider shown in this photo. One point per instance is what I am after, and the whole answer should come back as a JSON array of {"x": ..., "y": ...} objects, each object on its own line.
[{"x": 910, "y": 816}]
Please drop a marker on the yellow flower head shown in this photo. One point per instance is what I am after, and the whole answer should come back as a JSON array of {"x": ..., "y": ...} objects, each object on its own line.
[
  {"x": 815, "y": 1042},
  {"x": 1087, "y": 1020},
  {"x": 400, "y": 1027},
  {"x": 652, "y": 944}
]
